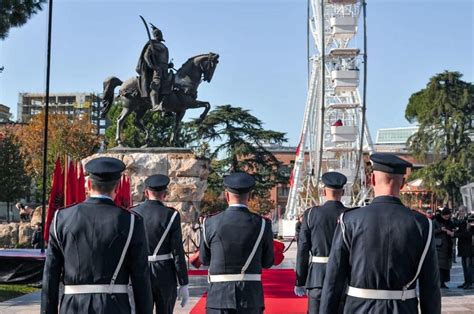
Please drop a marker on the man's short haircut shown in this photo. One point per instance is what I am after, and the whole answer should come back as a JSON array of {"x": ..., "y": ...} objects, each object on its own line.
[
  {"x": 103, "y": 187},
  {"x": 157, "y": 194},
  {"x": 240, "y": 196},
  {"x": 389, "y": 178},
  {"x": 335, "y": 191}
]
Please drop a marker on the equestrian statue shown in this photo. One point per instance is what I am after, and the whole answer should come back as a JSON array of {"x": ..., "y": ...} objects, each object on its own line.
[{"x": 159, "y": 89}]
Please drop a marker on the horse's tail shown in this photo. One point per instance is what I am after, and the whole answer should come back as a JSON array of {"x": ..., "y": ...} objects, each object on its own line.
[{"x": 108, "y": 99}]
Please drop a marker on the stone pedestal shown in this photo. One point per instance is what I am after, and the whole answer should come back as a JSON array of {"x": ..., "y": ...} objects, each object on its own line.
[{"x": 188, "y": 175}]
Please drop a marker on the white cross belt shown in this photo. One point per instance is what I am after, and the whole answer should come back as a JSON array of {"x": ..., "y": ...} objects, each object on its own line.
[
  {"x": 87, "y": 289},
  {"x": 236, "y": 277},
  {"x": 381, "y": 294}
]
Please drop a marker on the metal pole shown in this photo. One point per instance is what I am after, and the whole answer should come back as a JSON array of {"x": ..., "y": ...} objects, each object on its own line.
[
  {"x": 307, "y": 42},
  {"x": 364, "y": 98},
  {"x": 98, "y": 113},
  {"x": 46, "y": 113},
  {"x": 323, "y": 92}
]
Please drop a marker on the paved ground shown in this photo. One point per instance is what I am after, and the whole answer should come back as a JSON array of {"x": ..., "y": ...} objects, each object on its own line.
[{"x": 455, "y": 301}]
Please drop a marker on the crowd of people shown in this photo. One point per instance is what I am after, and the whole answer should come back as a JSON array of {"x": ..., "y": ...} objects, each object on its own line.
[{"x": 448, "y": 229}]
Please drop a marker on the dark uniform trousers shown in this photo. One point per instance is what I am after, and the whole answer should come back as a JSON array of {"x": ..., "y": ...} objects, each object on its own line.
[
  {"x": 379, "y": 247},
  {"x": 316, "y": 233},
  {"x": 86, "y": 242},
  {"x": 166, "y": 274},
  {"x": 226, "y": 243}
]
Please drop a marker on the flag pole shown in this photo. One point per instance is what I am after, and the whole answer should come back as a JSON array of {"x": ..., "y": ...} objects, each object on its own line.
[{"x": 46, "y": 113}]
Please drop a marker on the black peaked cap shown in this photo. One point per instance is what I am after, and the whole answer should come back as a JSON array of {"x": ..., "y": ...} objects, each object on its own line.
[
  {"x": 389, "y": 163},
  {"x": 334, "y": 180},
  {"x": 105, "y": 169},
  {"x": 239, "y": 183},
  {"x": 157, "y": 182}
]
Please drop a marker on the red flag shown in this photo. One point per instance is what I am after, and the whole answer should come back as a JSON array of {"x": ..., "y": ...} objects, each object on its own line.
[
  {"x": 127, "y": 192},
  {"x": 123, "y": 196},
  {"x": 56, "y": 197},
  {"x": 278, "y": 252},
  {"x": 118, "y": 194},
  {"x": 71, "y": 184},
  {"x": 293, "y": 170},
  {"x": 81, "y": 182}
]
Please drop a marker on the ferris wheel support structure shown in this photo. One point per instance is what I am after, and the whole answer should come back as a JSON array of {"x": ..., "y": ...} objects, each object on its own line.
[{"x": 334, "y": 134}]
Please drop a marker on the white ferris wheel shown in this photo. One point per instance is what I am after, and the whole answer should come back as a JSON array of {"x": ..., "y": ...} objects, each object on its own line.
[{"x": 334, "y": 134}]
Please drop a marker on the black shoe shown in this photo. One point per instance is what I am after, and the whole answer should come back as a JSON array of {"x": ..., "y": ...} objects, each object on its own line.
[
  {"x": 468, "y": 286},
  {"x": 461, "y": 286},
  {"x": 443, "y": 286}
]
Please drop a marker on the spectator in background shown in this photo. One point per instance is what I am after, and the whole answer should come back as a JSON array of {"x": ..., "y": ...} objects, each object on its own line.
[
  {"x": 443, "y": 230},
  {"x": 36, "y": 238},
  {"x": 24, "y": 211},
  {"x": 464, "y": 234}
]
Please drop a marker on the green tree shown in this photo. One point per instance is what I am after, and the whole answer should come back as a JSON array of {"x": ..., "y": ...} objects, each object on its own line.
[
  {"x": 75, "y": 138},
  {"x": 159, "y": 127},
  {"x": 15, "y": 13},
  {"x": 14, "y": 183},
  {"x": 240, "y": 145},
  {"x": 444, "y": 110}
]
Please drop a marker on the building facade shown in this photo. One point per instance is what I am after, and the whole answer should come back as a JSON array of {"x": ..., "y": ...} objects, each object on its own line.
[
  {"x": 5, "y": 114},
  {"x": 394, "y": 140},
  {"x": 70, "y": 104}
]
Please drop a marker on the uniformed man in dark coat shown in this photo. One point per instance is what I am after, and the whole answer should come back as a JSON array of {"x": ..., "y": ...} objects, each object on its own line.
[
  {"x": 153, "y": 68},
  {"x": 165, "y": 246},
  {"x": 317, "y": 231},
  {"x": 381, "y": 250},
  {"x": 236, "y": 244},
  {"x": 95, "y": 248}
]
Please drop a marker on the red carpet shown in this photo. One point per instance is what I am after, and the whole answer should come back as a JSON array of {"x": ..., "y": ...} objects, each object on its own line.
[{"x": 278, "y": 287}]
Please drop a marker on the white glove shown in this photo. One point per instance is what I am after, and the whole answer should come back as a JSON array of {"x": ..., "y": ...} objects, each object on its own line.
[
  {"x": 299, "y": 291},
  {"x": 183, "y": 294}
]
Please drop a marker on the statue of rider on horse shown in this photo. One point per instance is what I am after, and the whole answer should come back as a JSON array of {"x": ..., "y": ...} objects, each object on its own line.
[
  {"x": 152, "y": 69},
  {"x": 157, "y": 88}
]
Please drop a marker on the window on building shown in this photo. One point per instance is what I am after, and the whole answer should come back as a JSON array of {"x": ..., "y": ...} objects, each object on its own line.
[
  {"x": 283, "y": 191},
  {"x": 284, "y": 170}
]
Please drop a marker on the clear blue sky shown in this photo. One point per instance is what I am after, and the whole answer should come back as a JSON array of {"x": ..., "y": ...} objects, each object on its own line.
[{"x": 262, "y": 44}]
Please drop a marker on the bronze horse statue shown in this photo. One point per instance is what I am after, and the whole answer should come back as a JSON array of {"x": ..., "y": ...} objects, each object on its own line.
[{"x": 183, "y": 96}]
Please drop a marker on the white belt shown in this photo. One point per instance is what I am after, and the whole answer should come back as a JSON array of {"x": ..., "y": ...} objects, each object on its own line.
[
  {"x": 237, "y": 277},
  {"x": 320, "y": 259},
  {"x": 163, "y": 257},
  {"x": 381, "y": 294},
  {"x": 86, "y": 289}
]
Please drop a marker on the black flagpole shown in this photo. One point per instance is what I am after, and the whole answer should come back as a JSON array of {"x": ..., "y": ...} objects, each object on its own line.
[{"x": 46, "y": 114}]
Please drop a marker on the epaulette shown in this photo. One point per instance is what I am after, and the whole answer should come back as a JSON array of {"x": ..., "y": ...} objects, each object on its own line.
[
  {"x": 68, "y": 206},
  {"x": 351, "y": 208},
  {"x": 133, "y": 213},
  {"x": 173, "y": 209},
  {"x": 346, "y": 211},
  {"x": 420, "y": 212},
  {"x": 258, "y": 215},
  {"x": 134, "y": 206},
  {"x": 213, "y": 214}
]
